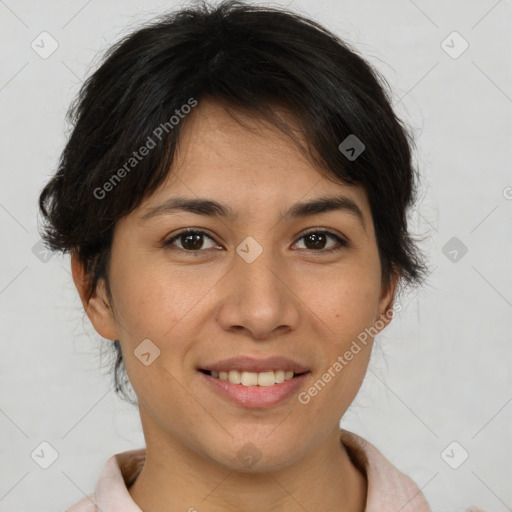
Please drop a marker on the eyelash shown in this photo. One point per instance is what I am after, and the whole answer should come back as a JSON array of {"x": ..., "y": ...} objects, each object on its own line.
[{"x": 342, "y": 242}]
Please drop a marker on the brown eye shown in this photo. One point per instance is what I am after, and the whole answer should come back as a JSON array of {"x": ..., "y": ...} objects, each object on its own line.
[
  {"x": 190, "y": 240},
  {"x": 317, "y": 240}
]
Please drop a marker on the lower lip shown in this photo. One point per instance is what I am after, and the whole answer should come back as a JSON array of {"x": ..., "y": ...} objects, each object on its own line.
[{"x": 255, "y": 396}]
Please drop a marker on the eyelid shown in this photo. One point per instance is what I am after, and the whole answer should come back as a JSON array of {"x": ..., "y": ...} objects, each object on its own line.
[{"x": 324, "y": 230}]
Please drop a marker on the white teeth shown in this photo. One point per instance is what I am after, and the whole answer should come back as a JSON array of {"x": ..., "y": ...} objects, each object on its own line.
[
  {"x": 279, "y": 375},
  {"x": 234, "y": 377},
  {"x": 254, "y": 379},
  {"x": 249, "y": 379}
]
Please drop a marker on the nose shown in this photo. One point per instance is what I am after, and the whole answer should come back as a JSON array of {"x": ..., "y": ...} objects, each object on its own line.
[{"x": 258, "y": 298}]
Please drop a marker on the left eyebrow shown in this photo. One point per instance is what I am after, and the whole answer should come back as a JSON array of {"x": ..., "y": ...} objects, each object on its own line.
[
  {"x": 324, "y": 205},
  {"x": 211, "y": 208}
]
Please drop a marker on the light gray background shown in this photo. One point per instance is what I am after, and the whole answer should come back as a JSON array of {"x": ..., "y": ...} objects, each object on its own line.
[{"x": 441, "y": 371}]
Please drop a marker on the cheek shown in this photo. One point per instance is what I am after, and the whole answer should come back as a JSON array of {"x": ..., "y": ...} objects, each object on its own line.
[
  {"x": 165, "y": 306},
  {"x": 346, "y": 304},
  {"x": 153, "y": 299},
  {"x": 346, "y": 310}
]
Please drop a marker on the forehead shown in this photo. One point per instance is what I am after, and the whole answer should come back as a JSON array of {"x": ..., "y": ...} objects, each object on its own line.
[{"x": 251, "y": 165}]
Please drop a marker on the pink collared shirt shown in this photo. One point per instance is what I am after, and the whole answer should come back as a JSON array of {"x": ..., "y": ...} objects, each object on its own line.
[{"x": 389, "y": 489}]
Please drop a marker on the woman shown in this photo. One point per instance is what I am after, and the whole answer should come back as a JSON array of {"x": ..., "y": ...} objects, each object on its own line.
[{"x": 234, "y": 197}]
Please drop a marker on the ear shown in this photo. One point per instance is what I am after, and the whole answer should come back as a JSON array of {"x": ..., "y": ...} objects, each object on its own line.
[
  {"x": 386, "y": 300},
  {"x": 97, "y": 307}
]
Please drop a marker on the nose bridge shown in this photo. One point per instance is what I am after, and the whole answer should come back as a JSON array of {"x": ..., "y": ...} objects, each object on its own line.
[
  {"x": 258, "y": 298},
  {"x": 256, "y": 268}
]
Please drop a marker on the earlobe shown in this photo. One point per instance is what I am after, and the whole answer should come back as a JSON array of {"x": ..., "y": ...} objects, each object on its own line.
[{"x": 96, "y": 307}]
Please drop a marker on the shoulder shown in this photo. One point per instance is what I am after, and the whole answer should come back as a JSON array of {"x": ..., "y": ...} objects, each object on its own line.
[
  {"x": 111, "y": 490},
  {"x": 389, "y": 489}
]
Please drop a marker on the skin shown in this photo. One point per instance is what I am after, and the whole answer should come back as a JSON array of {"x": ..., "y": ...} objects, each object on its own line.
[{"x": 200, "y": 307}]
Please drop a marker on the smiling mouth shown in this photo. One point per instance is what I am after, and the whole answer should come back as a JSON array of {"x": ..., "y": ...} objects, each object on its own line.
[{"x": 245, "y": 378}]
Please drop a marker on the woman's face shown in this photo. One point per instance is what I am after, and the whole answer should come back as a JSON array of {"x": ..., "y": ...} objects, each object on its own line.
[{"x": 251, "y": 285}]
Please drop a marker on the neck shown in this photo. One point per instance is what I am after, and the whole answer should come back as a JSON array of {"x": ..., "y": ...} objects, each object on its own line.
[{"x": 175, "y": 478}]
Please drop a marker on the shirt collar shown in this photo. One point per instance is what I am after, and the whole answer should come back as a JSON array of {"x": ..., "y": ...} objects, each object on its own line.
[{"x": 389, "y": 490}]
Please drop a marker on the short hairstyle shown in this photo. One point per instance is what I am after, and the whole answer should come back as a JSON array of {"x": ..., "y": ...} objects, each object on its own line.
[{"x": 251, "y": 59}]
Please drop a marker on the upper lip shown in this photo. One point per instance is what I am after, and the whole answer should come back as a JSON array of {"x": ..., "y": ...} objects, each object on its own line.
[{"x": 250, "y": 364}]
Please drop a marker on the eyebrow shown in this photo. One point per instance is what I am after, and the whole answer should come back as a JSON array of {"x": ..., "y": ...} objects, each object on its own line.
[{"x": 211, "y": 208}]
